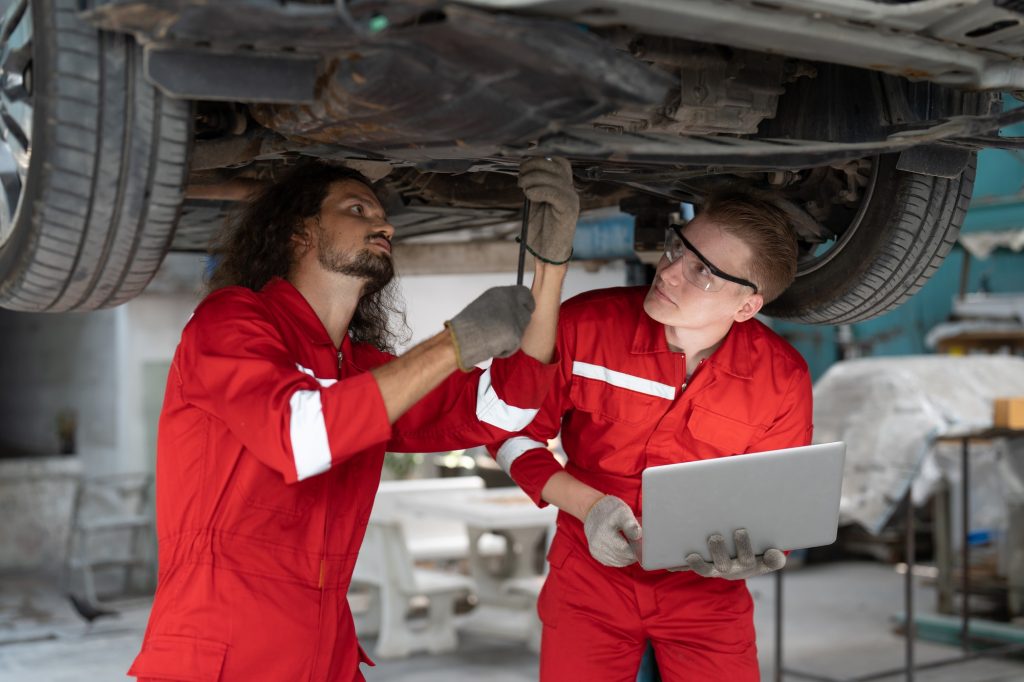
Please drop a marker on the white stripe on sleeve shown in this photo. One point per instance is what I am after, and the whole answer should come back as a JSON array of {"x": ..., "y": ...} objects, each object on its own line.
[
  {"x": 513, "y": 449},
  {"x": 633, "y": 383},
  {"x": 323, "y": 382},
  {"x": 308, "y": 431},
  {"x": 491, "y": 409}
]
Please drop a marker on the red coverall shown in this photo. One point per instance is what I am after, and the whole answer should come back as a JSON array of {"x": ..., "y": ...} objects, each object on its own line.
[
  {"x": 622, "y": 405},
  {"x": 270, "y": 450}
]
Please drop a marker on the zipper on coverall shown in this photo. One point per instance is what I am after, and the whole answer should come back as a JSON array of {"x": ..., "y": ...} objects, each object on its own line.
[
  {"x": 314, "y": 668},
  {"x": 323, "y": 560}
]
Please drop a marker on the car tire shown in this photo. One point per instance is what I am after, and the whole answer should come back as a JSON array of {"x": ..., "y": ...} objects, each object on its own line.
[
  {"x": 99, "y": 159},
  {"x": 907, "y": 228}
]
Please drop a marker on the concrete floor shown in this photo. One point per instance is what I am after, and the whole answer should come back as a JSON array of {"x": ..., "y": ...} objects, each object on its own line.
[{"x": 837, "y": 623}]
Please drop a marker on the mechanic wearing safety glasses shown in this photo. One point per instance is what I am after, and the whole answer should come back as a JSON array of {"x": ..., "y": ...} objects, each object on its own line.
[{"x": 649, "y": 376}]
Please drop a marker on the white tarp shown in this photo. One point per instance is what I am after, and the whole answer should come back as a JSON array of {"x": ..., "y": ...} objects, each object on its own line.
[
  {"x": 890, "y": 410},
  {"x": 982, "y": 244}
]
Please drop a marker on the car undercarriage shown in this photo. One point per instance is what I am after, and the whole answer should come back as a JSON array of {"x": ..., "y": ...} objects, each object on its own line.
[{"x": 848, "y": 114}]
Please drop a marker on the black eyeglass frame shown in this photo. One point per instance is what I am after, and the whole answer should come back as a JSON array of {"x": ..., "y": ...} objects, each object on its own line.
[{"x": 715, "y": 271}]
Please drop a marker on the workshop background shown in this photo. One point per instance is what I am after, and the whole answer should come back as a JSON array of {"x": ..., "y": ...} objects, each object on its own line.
[{"x": 440, "y": 597}]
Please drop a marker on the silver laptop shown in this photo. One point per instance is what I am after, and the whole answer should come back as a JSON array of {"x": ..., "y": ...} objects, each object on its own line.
[{"x": 788, "y": 499}]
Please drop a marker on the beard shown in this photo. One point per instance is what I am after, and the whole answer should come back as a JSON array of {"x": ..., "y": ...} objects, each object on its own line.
[{"x": 376, "y": 270}]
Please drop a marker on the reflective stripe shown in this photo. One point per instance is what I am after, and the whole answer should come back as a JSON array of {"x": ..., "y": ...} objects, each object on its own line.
[
  {"x": 513, "y": 449},
  {"x": 492, "y": 410},
  {"x": 310, "y": 447},
  {"x": 323, "y": 382},
  {"x": 610, "y": 376}
]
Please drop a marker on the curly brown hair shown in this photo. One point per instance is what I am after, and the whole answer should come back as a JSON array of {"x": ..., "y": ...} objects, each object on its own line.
[{"x": 256, "y": 245}]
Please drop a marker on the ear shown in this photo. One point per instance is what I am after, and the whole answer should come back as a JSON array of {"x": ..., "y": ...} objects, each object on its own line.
[
  {"x": 302, "y": 241},
  {"x": 751, "y": 306}
]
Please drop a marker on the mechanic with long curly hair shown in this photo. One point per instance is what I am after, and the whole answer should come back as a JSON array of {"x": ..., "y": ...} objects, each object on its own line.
[{"x": 282, "y": 398}]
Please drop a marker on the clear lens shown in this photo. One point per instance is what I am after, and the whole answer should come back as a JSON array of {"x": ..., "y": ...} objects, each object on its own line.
[
  {"x": 674, "y": 247},
  {"x": 694, "y": 270},
  {"x": 697, "y": 273}
]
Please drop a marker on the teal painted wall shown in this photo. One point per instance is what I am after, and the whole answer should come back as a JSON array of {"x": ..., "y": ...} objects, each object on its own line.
[{"x": 997, "y": 204}]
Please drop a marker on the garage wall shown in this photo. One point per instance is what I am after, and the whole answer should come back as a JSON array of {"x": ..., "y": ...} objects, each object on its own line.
[
  {"x": 152, "y": 328},
  {"x": 50, "y": 363},
  {"x": 153, "y": 325},
  {"x": 92, "y": 363}
]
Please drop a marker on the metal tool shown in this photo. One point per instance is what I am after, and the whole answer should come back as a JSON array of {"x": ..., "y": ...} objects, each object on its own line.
[{"x": 522, "y": 241}]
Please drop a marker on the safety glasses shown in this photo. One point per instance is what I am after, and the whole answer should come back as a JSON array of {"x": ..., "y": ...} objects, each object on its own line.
[{"x": 697, "y": 269}]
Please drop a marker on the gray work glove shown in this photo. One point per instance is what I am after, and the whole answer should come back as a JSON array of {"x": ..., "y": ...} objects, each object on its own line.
[
  {"x": 744, "y": 566},
  {"x": 554, "y": 207},
  {"x": 610, "y": 526},
  {"x": 491, "y": 326}
]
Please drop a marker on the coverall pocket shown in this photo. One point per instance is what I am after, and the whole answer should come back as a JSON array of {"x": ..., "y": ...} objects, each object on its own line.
[
  {"x": 549, "y": 603},
  {"x": 615, "y": 403},
  {"x": 177, "y": 657},
  {"x": 263, "y": 488},
  {"x": 725, "y": 435}
]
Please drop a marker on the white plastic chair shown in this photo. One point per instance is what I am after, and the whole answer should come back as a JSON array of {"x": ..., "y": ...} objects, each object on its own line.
[{"x": 386, "y": 566}]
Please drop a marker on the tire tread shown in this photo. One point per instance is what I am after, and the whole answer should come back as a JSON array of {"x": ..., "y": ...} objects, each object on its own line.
[
  {"x": 105, "y": 212},
  {"x": 921, "y": 231}
]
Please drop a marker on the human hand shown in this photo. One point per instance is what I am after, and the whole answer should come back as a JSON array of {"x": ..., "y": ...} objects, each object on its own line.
[
  {"x": 554, "y": 207},
  {"x": 610, "y": 526},
  {"x": 744, "y": 566},
  {"x": 491, "y": 326}
]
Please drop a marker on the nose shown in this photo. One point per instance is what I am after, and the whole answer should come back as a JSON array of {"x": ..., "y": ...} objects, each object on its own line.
[
  {"x": 670, "y": 272},
  {"x": 387, "y": 228}
]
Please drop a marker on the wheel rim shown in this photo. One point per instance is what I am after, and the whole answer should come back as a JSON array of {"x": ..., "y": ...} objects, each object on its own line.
[
  {"x": 817, "y": 259},
  {"x": 16, "y": 111}
]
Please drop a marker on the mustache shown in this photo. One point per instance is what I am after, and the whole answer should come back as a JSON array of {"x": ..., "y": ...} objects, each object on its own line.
[{"x": 378, "y": 235}]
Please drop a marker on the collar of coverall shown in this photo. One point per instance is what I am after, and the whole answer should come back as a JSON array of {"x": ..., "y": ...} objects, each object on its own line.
[
  {"x": 301, "y": 312},
  {"x": 734, "y": 356}
]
